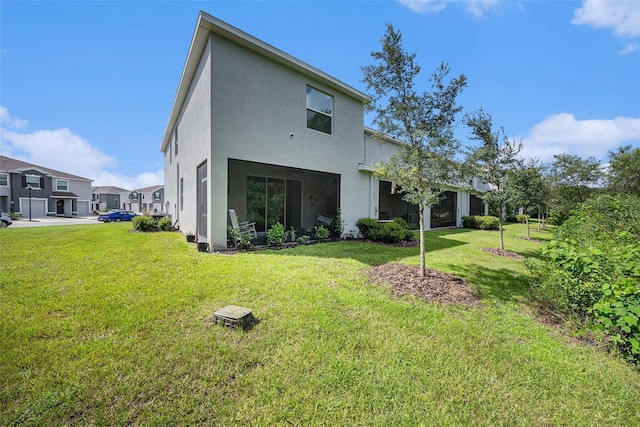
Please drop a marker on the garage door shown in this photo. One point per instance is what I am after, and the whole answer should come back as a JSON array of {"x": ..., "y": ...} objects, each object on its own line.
[
  {"x": 38, "y": 208},
  {"x": 83, "y": 208}
]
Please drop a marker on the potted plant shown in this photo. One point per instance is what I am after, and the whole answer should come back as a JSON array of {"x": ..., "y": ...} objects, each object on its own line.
[
  {"x": 203, "y": 246},
  {"x": 190, "y": 237}
]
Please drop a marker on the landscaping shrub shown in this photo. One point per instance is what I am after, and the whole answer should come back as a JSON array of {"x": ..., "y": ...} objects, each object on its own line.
[
  {"x": 321, "y": 232},
  {"x": 592, "y": 270},
  {"x": 368, "y": 227},
  {"x": 522, "y": 218},
  {"x": 144, "y": 223},
  {"x": 165, "y": 224},
  {"x": 481, "y": 222},
  {"x": 393, "y": 232},
  {"x": 276, "y": 235},
  {"x": 387, "y": 232}
]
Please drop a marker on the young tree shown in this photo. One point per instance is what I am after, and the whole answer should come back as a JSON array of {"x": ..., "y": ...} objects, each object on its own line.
[
  {"x": 573, "y": 180},
  {"x": 624, "y": 171},
  {"x": 423, "y": 121},
  {"x": 527, "y": 189},
  {"x": 492, "y": 160}
]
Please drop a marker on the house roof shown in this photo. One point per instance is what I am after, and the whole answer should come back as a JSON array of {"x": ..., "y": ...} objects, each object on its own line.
[
  {"x": 376, "y": 134},
  {"x": 108, "y": 190},
  {"x": 149, "y": 189},
  {"x": 18, "y": 166},
  {"x": 208, "y": 24}
]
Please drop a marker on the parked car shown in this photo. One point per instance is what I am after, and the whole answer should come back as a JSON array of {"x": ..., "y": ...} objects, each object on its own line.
[
  {"x": 5, "y": 220},
  {"x": 116, "y": 215}
]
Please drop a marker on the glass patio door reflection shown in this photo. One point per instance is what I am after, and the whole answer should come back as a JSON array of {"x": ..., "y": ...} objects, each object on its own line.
[{"x": 271, "y": 200}]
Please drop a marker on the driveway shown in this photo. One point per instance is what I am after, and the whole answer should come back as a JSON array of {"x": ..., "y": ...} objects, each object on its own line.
[{"x": 53, "y": 220}]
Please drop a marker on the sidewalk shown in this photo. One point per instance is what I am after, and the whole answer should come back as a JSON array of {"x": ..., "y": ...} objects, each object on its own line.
[{"x": 53, "y": 220}]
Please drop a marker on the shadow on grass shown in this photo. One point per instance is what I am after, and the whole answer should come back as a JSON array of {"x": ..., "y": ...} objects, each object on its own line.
[
  {"x": 370, "y": 253},
  {"x": 500, "y": 283}
]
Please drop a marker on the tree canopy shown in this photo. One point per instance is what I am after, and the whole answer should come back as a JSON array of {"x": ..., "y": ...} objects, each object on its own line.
[{"x": 422, "y": 120}]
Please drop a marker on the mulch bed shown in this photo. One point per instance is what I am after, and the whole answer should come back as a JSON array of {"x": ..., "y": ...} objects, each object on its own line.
[
  {"x": 503, "y": 252},
  {"x": 436, "y": 286}
]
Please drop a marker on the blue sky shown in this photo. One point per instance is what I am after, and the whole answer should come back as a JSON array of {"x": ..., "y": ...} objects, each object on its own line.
[{"x": 87, "y": 87}]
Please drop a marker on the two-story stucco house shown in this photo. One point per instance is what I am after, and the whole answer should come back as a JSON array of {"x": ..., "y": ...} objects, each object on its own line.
[
  {"x": 45, "y": 191},
  {"x": 148, "y": 199},
  {"x": 256, "y": 130},
  {"x": 109, "y": 197}
]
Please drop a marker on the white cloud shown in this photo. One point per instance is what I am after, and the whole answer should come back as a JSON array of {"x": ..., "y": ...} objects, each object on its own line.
[
  {"x": 563, "y": 133},
  {"x": 422, "y": 6},
  {"x": 622, "y": 16},
  {"x": 145, "y": 179},
  {"x": 629, "y": 48},
  {"x": 11, "y": 122},
  {"x": 479, "y": 7},
  {"x": 65, "y": 151},
  {"x": 474, "y": 7}
]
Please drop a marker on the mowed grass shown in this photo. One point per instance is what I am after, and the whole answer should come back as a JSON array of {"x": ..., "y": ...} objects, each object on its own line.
[{"x": 100, "y": 326}]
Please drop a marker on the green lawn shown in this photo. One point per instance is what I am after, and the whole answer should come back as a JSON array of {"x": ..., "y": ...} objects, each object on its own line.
[{"x": 104, "y": 327}]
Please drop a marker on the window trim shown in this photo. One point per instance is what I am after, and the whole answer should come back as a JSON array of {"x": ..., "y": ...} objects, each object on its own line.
[
  {"x": 32, "y": 184},
  {"x": 330, "y": 116},
  {"x": 175, "y": 140},
  {"x": 181, "y": 194},
  {"x": 58, "y": 181}
]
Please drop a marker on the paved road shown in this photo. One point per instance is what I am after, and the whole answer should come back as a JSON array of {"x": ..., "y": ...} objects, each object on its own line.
[{"x": 53, "y": 220}]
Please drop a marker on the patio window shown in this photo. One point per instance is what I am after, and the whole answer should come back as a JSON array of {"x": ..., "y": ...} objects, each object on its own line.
[
  {"x": 319, "y": 111},
  {"x": 271, "y": 200},
  {"x": 32, "y": 180},
  {"x": 62, "y": 185}
]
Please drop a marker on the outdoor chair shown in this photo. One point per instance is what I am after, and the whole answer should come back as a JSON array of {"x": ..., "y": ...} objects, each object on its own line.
[{"x": 243, "y": 228}]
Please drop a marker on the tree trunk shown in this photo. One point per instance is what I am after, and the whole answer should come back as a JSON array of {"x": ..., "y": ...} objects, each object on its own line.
[
  {"x": 421, "y": 221},
  {"x": 501, "y": 235},
  {"x": 539, "y": 219},
  {"x": 526, "y": 219}
]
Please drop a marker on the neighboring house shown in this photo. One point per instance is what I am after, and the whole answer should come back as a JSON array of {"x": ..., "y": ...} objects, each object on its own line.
[
  {"x": 148, "y": 199},
  {"x": 257, "y": 130},
  {"x": 105, "y": 198},
  {"x": 25, "y": 186}
]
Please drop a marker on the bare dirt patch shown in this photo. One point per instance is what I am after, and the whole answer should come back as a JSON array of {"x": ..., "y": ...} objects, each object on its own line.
[
  {"x": 436, "y": 286},
  {"x": 503, "y": 252}
]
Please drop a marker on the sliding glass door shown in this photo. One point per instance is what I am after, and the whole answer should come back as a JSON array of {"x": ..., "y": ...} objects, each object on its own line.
[{"x": 271, "y": 200}]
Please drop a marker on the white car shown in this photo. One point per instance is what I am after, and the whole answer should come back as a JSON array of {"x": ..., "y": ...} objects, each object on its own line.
[{"x": 5, "y": 220}]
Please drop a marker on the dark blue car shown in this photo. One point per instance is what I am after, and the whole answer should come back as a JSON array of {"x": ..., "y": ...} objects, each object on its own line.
[{"x": 116, "y": 215}]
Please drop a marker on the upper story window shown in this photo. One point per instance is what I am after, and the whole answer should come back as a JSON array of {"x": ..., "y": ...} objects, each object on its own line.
[
  {"x": 62, "y": 185},
  {"x": 175, "y": 138},
  {"x": 32, "y": 180},
  {"x": 4, "y": 180},
  {"x": 319, "y": 111},
  {"x": 133, "y": 196},
  {"x": 156, "y": 195}
]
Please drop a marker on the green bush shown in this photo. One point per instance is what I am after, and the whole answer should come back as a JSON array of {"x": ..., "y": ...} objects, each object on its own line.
[
  {"x": 144, "y": 223},
  {"x": 276, "y": 235},
  {"x": 368, "y": 227},
  {"x": 522, "y": 218},
  {"x": 592, "y": 270},
  {"x": 321, "y": 232},
  {"x": 481, "y": 222},
  {"x": 393, "y": 232},
  {"x": 165, "y": 224},
  {"x": 387, "y": 232}
]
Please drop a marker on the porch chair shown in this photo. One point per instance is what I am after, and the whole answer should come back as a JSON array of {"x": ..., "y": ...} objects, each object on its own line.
[{"x": 243, "y": 228}]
